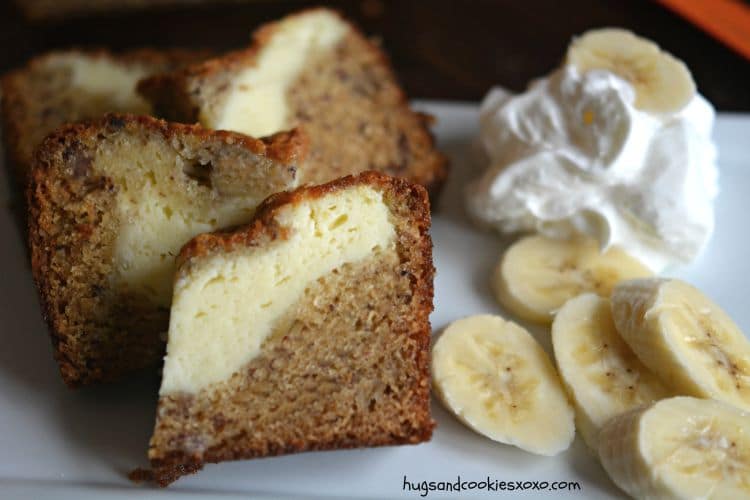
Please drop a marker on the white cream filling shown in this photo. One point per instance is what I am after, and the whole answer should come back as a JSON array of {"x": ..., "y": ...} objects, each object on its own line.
[
  {"x": 157, "y": 215},
  {"x": 105, "y": 79},
  {"x": 256, "y": 104},
  {"x": 229, "y": 303},
  {"x": 154, "y": 228}
]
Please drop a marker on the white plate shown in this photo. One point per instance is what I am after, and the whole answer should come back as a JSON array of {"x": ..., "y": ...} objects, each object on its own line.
[{"x": 57, "y": 443}]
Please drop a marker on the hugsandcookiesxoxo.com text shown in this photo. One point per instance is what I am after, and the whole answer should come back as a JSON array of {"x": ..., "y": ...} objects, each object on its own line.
[{"x": 424, "y": 488}]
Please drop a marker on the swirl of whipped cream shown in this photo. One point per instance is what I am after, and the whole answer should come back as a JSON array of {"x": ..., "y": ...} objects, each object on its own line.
[{"x": 572, "y": 155}]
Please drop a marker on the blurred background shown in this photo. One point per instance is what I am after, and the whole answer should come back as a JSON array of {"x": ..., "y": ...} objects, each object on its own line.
[{"x": 441, "y": 49}]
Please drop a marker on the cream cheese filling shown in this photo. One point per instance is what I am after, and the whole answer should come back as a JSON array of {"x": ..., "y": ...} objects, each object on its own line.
[
  {"x": 158, "y": 213},
  {"x": 153, "y": 229},
  {"x": 104, "y": 79},
  {"x": 256, "y": 104},
  {"x": 227, "y": 304}
]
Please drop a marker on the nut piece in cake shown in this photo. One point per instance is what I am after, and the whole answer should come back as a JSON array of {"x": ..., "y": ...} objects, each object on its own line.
[
  {"x": 307, "y": 329},
  {"x": 312, "y": 69},
  {"x": 111, "y": 203},
  {"x": 67, "y": 86}
]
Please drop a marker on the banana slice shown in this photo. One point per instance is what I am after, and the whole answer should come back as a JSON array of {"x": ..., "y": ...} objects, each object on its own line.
[
  {"x": 601, "y": 373},
  {"x": 684, "y": 338},
  {"x": 680, "y": 447},
  {"x": 537, "y": 275},
  {"x": 498, "y": 380},
  {"x": 662, "y": 83}
]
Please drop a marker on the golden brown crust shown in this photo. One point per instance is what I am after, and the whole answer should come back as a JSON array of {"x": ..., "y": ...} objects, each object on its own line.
[
  {"x": 70, "y": 209},
  {"x": 288, "y": 147},
  {"x": 410, "y": 204},
  {"x": 19, "y": 99},
  {"x": 291, "y": 146},
  {"x": 176, "y": 96},
  {"x": 264, "y": 222}
]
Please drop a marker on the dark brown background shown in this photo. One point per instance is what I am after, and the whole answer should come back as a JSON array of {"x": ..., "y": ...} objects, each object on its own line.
[{"x": 446, "y": 49}]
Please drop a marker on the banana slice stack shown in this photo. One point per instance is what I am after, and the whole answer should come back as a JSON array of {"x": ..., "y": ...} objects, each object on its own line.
[
  {"x": 654, "y": 374},
  {"x": 685, "y": 338},
  {"x": 603, "y": 376}
]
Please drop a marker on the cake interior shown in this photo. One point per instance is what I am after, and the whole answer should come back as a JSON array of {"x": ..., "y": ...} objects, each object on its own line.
[
  {"x": 256, "y": 103},
  {"x": 123, "y": 202},
  {"x": 357, "y": 117},
  {"x": 227, "y": 304},
  {"x": 72, "y": 86},
  {"x": 334, "y": 363},
  {"x": 166, "y": 198},
  {"x": 102, "y": 82},
  {"x": 313, "y": 70}
]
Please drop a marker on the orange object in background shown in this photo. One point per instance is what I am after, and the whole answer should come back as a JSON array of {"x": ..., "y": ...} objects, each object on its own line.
[{"x": 725, "y": 20}]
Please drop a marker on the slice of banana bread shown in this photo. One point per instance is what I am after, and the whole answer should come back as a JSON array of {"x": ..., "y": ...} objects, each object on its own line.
[
  {"x": 307, "y": 329},
  {"x": 313, "y": 70},
  {"x": 111, "y": 201},
  {"x": 67, "y": 86}
]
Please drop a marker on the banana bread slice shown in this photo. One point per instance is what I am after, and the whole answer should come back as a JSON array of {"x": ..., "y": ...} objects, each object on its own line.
[
  {"x": 307, "y": 329},
  {"x": 111, "y": 202},
  {"x": 315, "y": 70},
  {"x": 67, "y": 86}
]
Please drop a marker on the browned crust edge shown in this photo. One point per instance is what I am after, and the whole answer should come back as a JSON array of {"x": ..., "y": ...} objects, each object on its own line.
[
  {"x": 15, "y": 99},
  {"x": 285, "y": 147},
  {"x": 176, "y": 464},
  {"x": 264, "y": 221},
  {"x": 169, "y": 94}
]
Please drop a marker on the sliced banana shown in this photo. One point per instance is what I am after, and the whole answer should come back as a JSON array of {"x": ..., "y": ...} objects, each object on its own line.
[
  {"x": 498, "y": 380},
  {"x": 662, "y": 83},
  {"x": 537, "y": 275},
  {"x": 684, "y": 338},
  {"x": 601, "y": 373},
  {"x": 681, "y": 447}
]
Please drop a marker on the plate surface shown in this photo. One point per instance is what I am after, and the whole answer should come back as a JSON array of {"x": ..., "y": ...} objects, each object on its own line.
[{"x": 62, "y": 444}]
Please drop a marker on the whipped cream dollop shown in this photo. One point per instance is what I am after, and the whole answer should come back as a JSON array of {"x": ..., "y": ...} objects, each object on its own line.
[{"x": 572, "y": 155}]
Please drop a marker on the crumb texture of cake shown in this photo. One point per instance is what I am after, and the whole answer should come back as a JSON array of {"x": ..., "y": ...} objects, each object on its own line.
[
  {"x": 312, "y": 70},
  {"x": 220, "y": 296},
  {"x": 67, "y": 86},
  {"x": 333, "y": 331},
  {"x": 256, "y": 103},
  {"x": 111, "y": 203}
]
